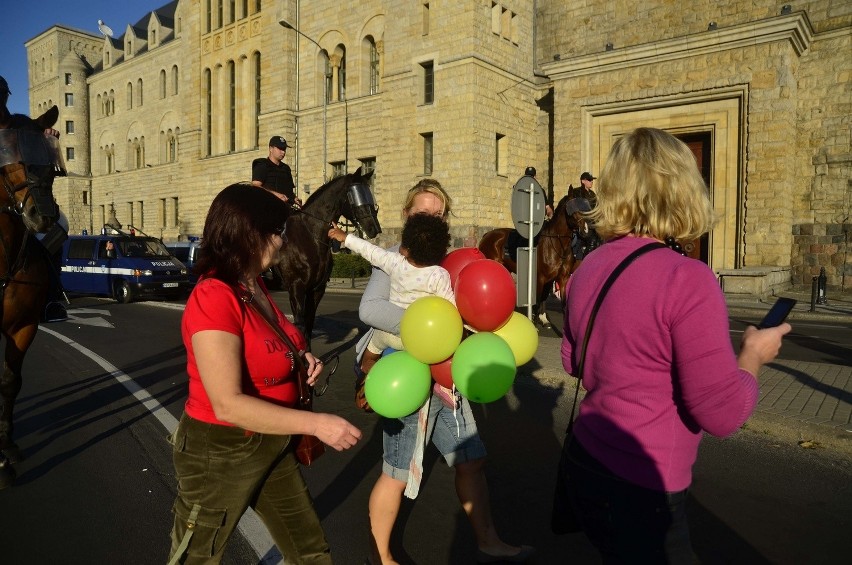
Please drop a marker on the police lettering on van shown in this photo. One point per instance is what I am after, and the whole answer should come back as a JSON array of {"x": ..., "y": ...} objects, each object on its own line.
[{"x": 121, "y": 266}]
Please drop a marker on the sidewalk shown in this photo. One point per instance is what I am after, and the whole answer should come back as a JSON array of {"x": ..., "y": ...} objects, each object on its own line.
[{"x": 799, "y": 401}]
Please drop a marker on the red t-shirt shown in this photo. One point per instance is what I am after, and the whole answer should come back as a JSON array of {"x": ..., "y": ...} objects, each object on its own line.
[{"x": 268, "y": 368}]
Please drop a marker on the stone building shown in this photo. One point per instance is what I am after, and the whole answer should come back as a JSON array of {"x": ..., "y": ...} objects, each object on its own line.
[{"x": 175, "y": 106}]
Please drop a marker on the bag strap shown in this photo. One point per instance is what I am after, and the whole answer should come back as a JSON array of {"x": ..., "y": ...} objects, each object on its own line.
[
  {"x": 604, "y": 289},
  {"x": 305, "y": 391}
]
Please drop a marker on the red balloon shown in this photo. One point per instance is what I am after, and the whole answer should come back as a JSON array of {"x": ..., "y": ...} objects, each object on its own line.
[
  {"x": 442, "y": 374},
  {"x": 457, "y": 260},
  {"x": 485, "y": 295}
]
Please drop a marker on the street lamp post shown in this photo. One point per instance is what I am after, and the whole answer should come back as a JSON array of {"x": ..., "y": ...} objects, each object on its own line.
[{"x": 286, "y": 24}]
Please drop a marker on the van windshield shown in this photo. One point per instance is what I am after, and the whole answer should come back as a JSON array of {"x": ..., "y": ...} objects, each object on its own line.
[{"x": 143, "y": 247}]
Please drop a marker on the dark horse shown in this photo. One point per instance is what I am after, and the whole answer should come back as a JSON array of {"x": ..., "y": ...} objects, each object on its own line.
[
  {"x": 305, "y": 264},
  {"x": 29, "y": 161},
  {"x": 555, "y": 257}
]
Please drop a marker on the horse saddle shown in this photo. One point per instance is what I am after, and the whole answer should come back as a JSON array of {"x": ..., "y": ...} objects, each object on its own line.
[{"x": 513, "y": 241}]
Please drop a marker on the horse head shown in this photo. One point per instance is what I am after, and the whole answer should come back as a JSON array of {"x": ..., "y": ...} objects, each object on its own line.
[
  {"x": 29, "y": 161},
  {"x": 348, "y": 196}
]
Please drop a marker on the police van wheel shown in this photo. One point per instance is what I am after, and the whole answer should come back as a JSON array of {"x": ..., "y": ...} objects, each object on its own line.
[{"x": 123, "y": 292}]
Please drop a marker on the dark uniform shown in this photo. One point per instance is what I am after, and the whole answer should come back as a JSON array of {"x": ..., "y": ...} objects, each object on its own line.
[{"x": 275, "y": 178}]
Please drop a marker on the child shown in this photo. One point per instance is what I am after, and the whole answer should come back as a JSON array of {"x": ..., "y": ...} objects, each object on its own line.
[{"x": 414, "y": 272}]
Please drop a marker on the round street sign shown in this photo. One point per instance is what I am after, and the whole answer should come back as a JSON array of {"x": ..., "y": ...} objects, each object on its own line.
[{"x": 525, "y": 189}]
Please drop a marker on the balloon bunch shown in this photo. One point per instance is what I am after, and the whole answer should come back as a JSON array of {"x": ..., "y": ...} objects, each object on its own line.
[{"x": 482, "y": 366}]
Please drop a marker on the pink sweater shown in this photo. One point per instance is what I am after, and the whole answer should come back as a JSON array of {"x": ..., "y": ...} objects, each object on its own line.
[{"x": 660, "y": 368}]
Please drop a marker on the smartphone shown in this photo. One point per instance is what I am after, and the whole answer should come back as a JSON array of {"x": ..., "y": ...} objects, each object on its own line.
[{"x": 778, "y": 313}]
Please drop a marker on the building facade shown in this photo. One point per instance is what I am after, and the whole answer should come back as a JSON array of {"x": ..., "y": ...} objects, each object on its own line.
[{"x": 173, "y": 109}]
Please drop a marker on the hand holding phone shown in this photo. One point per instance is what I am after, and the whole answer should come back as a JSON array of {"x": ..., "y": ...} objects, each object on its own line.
[{"x": 778, "y": 313}]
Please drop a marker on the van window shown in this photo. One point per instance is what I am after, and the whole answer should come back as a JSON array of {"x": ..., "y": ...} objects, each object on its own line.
[
  {"x": 143, "y": 247},
  {"x": 81, "y": 248},
  {"x": 181, "y": 253}
]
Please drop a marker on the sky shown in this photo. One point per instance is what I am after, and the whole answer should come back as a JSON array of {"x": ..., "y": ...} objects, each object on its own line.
[{"x": 25, "y": 19}]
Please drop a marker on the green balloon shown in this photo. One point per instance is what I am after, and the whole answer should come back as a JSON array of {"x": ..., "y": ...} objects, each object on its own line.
[
  {"x": 397, "y": 385},
  {"x": 483, "y": 367}
]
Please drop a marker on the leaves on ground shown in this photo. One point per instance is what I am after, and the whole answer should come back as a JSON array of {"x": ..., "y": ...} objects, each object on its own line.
[{"x": 809, "y": 444}]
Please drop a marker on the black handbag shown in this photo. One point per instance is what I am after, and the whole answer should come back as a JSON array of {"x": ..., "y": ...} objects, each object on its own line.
[{"x": 563, "y": 518}]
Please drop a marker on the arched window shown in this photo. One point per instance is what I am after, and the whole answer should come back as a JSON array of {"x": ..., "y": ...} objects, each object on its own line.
[
  {"x": 174, "y": 80},
  {"x": 129, "y": 95},
  {"x": 232, "y": 106},
  {"x": 162, "y": 84},
  {"x": 139, "y": 91},
  {"x": 256, "y": 72},
  {"x": 341, "y": 74},
  {"x": 208, "y": 109},
  {"x": 374, "y": 66}
]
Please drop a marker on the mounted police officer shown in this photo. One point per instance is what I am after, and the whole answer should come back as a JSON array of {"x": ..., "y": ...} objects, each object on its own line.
[{"x": 583, "y": 199}]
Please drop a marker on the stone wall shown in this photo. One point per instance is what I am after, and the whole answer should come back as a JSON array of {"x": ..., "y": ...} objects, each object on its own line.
[{"x": 817, "y": 246}]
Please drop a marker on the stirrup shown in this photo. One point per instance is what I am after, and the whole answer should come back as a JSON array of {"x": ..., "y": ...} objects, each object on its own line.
[{"x": 55, "y": 312}]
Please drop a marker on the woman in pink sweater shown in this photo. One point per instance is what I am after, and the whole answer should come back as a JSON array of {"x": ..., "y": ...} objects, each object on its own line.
[{"x": 659, "y": 369}]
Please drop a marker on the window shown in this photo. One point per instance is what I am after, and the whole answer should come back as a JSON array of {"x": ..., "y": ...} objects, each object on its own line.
[
  {"x": 81, "y": 248},
  {"x": 69, "y": 99},
  {"x": 162, "y": 84},
  {"x": 174, "y": 80},
  {"x": 428, "y": 82},
  {"x": 162, "y": 212},
  {"x": 69, "y": 153},
  {"x": 374, "y": 68},
  {"x": 208, "y": 109},
  {"x": 232, "y": 10},
  {"x": 67, "y": 78},
  {"x": 175, "y": 212},
  {"x": 368, "y": 165},
  {"x": 153, "y": 37},
  {"x": 244, "y": 6},
  {"x": 338, "y": 169},
  {"x": 219, "y": 11},
  {"x": 501, "y": 154},
  {"x": 328, "y": 78},
  {"x": 69, "y": 126},
  {"x": 232, "y": 108},
  {"x": 341, "y": 76},
  {"x": 427, "y": 153},
  {"x": 85, "y": 198},
  {"x": 139, "y": 91},
  {"x": 129, "y": 95},
  {"x": 257, "y": 99},
  {"x": 208, "y": 16}
]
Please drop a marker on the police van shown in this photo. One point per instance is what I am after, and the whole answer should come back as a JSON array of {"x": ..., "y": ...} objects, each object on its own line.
[
  {"x": 187, "y": 252},
  {"x": 122, "y": 266}
]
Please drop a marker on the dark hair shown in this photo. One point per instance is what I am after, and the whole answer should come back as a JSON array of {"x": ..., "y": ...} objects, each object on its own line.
[
  {"x": 239, "y": 223},
  {"x": 426, "y": 238}
]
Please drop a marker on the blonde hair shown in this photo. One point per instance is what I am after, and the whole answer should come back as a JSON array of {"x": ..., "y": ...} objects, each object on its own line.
[
  {"x": 432, "y": 187},
  {"x": 651, "y": 185}
]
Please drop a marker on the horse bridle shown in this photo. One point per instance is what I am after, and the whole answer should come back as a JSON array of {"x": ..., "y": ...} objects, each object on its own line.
[{"x": 357, "y": 201}]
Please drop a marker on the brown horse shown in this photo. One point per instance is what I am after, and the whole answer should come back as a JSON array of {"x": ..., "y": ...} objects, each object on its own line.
[
  {"x": 305, "y": 264},
  {"x": 555, "y": 257},
  {"x": 29, "y": 161}
]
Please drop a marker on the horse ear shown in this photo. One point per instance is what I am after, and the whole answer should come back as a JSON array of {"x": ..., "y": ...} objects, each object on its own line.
[
  {"x": 357, "y": 172},
  {"x": 49, "y": 118}
]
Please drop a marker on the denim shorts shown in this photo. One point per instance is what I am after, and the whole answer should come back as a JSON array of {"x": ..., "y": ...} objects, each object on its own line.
[{"x": 455, "y": 436}]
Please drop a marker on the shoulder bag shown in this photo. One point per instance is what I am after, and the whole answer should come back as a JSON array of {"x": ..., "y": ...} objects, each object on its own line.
[
  {"x": 308, "y": 448},
  {"x": 563, "y": 520}
]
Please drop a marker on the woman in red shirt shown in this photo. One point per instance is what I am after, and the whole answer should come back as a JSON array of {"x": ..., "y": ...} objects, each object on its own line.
[{"x": 230, "y": 448}]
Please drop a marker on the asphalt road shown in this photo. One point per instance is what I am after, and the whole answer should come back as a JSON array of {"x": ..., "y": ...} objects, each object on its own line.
[{"x": 97, "y": 484}]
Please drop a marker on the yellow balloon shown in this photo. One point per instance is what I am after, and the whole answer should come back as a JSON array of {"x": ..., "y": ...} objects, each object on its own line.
[
  {"x": 431, "y": 329},
  {"x": 520, "y": 333}
]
